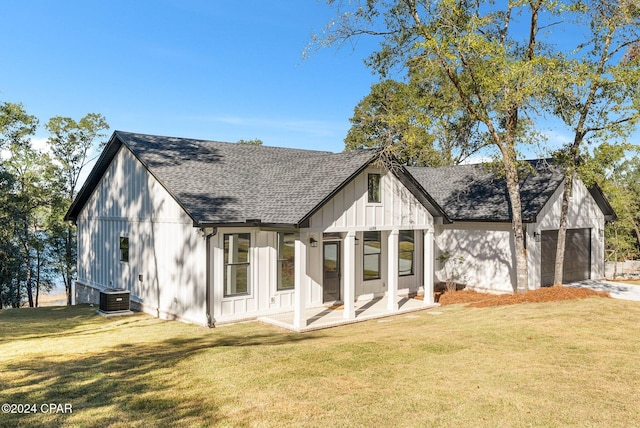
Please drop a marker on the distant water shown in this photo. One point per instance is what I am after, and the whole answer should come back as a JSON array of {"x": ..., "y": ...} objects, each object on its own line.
[{"x": 56, "y": 297}]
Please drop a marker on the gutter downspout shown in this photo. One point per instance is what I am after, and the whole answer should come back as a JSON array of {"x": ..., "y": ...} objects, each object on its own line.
[{"x": 210, "y": 322}]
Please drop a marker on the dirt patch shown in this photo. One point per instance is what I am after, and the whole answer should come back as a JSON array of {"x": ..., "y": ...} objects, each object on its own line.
[{"x": 545, "y": 294}]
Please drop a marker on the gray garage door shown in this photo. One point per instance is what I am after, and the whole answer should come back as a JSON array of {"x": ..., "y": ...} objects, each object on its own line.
[{"x": 577, "y": 255}]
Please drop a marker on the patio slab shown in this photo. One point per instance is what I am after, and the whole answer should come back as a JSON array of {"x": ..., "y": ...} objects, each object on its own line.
[{"x": 327, "y": 317}]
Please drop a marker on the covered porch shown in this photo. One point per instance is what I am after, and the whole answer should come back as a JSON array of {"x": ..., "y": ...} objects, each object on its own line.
[
  {"x": 333, "y": 316},
  {"x": 351, "y": 306}
]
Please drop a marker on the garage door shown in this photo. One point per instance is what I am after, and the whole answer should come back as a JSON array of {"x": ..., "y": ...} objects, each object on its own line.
[{"x": 577, "y": 255}]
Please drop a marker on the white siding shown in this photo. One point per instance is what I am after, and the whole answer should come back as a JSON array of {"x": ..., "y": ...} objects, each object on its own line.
[
  {"x": 164, "y": 247},
  {"x": 481, "y": 255},
  {"x": 350, "y": 210},
  {"x": 583, "y": 213},
  {"x": 264, "y": 297}
]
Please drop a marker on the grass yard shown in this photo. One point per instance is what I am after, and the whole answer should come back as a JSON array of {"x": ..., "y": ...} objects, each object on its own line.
[{"x": 570, "y": 363}]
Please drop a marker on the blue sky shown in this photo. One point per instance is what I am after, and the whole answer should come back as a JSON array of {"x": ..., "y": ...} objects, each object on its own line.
[
  {"x": 212, "y": 69},
  {"x": 220, "y": 70}
]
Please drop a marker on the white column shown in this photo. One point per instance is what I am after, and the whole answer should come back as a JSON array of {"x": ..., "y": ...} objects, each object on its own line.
[
  {"x": 428, "y": 267},
  {"x": 300, "y": 283},
  {"x": 349, "y": 276},
  {"x": 392, "y": 271}
]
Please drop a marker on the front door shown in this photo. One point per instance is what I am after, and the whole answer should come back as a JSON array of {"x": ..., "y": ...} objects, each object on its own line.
[{"x": 331, "y": 272}]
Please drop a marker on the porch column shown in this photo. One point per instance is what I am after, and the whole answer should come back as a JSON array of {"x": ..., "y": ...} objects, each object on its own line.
[
  {"x": 392, "y": 271},
  {"x": 299, "y": 297},
  {"x": 428, "y": 267},
  {"x": 349, "y": 276}
]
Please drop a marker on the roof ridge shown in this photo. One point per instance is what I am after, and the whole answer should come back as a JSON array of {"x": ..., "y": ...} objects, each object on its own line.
[{"x": 124, "y": 134}]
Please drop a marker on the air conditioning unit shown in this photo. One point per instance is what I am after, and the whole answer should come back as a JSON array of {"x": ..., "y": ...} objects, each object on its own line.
[{"x": 114, "y": 300}]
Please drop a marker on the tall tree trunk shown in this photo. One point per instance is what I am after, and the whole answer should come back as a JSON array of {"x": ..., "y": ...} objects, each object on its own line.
[
  {"x": 27, "y": 263},
  {"x": 513, "y": 187},
  {"x": 562, "y": 229},
  {"x": 38, "y": 253},
  {"x": 636, "y": 227}
]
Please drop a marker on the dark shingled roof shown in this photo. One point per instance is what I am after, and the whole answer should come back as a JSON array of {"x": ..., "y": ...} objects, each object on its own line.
[
  {"x": 222, "y": 183},
  {"x": 225, "y": 183},
  {"x": 474, "y": 193}
]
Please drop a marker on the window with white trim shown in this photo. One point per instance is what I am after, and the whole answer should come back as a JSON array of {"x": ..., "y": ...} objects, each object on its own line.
[
  {"x": 286, "y": 261},
  {"x": 236, "y": 264},
  {"x": 406, "y": 250},
  {"x": 371, "y": 255}
]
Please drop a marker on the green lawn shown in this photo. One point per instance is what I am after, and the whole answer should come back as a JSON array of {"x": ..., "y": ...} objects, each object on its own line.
[{"x": 573, "y": 363}]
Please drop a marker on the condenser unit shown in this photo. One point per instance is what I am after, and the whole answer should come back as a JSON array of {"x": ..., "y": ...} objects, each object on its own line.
[{"x": 114, "y": 300}]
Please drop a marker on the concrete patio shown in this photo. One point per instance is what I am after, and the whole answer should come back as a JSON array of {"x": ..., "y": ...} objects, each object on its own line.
[{"x": 326, "y": 317}]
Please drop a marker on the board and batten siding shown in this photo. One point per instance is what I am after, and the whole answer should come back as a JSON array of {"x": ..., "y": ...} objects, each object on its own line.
[
  {"x": 584, "y": 213},
  {"x": 166, "y": 271},
  {"x": 349, "y": 209}
]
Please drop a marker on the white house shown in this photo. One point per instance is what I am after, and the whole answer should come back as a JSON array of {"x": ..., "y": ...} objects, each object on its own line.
[{"x": 212, "y": 232}]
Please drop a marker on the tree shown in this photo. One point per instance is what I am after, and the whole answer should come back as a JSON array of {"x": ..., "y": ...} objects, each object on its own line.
[
  {"x": 497, "y": 73},
  {"x": 16, "y": 126},
  {"x": 254, "y": 142},
  {"x": 26, "y": 187},
  {"x": 414, "y": 121},
  {"x": 596, "y": 94},
  {"x": 618, "y": 174},
  {"x": 30, "y": 194},
  {"x": 70, "y": 143},
  {"x": 10, "y": 263}
]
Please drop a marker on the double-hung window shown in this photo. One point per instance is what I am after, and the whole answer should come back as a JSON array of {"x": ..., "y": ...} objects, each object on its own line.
[
  {"x": 286, "y": 261},
  {"x": 371, "y": 258},
  {"x": 236, "y": 264},
  {"x": 405, "y": 252}
]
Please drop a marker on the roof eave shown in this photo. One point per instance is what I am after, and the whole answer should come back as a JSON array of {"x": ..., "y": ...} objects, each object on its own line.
[
  {"x": 603, "y": 203},
  {"x": 99, "y": 168},
  {"x": 237, "y": 224}
]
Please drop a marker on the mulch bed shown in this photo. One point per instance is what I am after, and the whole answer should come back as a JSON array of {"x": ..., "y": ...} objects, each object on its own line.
[{"x": 545, "y": 294}]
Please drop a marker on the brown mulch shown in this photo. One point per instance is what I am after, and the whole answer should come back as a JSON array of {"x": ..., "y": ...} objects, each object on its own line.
[{"x": 545, "y": 294}]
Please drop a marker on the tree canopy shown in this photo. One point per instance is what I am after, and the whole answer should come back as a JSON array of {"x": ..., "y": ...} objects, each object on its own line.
[{"x": 36, "y": 190}]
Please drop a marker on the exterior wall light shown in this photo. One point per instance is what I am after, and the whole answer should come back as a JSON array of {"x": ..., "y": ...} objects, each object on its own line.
[{"x": 313, "y": 242}]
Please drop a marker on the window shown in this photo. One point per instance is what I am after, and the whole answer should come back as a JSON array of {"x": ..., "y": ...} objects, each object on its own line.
[
  {"x": 124, "y": 249},
  {"x": 371, "y": 262},
  {"x": 286, "y": 261},
  {"x": 405, "y": 252},
  {"x": 236, "y": 263},
  {"x": 374, "y": 187}
]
